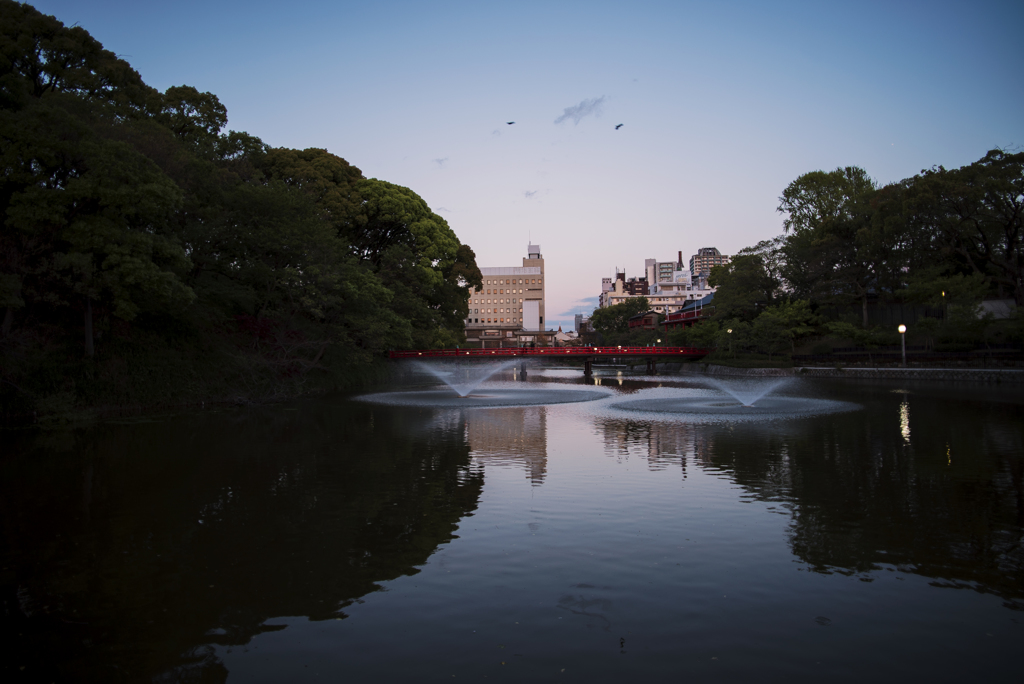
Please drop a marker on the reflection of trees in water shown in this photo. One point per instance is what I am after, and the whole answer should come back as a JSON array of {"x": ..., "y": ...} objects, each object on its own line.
[
  {"x": 141, "y": 543},
  {"x": 933, "y": 486},
  {"x": 928, "y": 486}
]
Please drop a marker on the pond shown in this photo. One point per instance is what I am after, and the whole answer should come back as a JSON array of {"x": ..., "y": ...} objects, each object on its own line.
[{"x": 635, "y": 529}]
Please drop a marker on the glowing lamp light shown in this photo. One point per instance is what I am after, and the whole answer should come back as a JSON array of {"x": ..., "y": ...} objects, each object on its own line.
[{"x": 903, "y": 343}]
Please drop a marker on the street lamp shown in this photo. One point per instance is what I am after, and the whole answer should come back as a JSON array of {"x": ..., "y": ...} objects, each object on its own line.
[
  {"x": 903, "y": 342},
  {"x": 730, "y": 339},
  {"x": 659, "y": 340}
]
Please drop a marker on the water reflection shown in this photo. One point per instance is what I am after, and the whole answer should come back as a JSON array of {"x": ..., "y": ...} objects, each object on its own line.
[
  {"x": 661, "y": 445},
  {"x": 511, "y": 437},
  {"x": 917, "y": 482},
  {"x": 905, "y": 421},
  {"x": 137, "y": 547},
  {"x": 150, "y": 550}
]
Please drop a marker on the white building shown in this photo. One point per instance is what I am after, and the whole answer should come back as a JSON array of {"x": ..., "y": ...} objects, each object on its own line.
[
  {"x": 671, "y": 286},
  {"x": 510, "y": 304}
]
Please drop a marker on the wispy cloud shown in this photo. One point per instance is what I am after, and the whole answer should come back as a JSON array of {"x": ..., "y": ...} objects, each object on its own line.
[
  {"x": 440, "y": 162},
  {"x": 581, "y": 110},
  {"x": 528, "y": 194},
  {"x": 584, "y": 306}
]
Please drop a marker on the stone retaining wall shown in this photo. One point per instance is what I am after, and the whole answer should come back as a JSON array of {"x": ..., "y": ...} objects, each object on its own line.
[
  {"x": 971, "y": 374},
  {"x": 945, "y": 374}
]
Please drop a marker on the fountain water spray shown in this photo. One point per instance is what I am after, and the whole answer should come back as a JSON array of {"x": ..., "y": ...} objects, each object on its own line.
[
  {"x": 749, "y": 392},
  {"x": 465, "y": 379}
]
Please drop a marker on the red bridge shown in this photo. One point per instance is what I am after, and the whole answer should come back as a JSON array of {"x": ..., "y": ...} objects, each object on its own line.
[{"x": 588, "y": 354}]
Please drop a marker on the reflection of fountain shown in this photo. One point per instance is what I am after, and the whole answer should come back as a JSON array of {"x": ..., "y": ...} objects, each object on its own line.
[
  {"x": 464, "y": 379},
  {"x": 748, "y": 391},
  {"x": 498, "y": 394}
]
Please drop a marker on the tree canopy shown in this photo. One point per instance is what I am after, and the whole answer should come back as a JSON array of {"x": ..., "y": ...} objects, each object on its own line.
[
  {"x": 127, "y": 209},
  {"x": 945, "y": 239},
  {"x": 615, "y": 318}
]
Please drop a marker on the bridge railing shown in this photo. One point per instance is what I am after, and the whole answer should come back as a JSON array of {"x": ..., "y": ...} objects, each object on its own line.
[{"x": 578, "y": 352}]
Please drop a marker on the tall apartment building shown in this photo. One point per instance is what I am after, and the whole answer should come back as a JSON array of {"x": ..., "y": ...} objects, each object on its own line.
[
  {"x": 705, "y": 258},
  {"x": 510, "y": 305}
]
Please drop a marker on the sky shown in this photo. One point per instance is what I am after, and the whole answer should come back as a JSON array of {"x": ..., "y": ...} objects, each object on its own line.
[{"x": 722, "y": 105}]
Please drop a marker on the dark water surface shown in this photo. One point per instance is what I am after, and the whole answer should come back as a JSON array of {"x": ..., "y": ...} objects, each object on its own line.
[{"x": 340, "y": 540}]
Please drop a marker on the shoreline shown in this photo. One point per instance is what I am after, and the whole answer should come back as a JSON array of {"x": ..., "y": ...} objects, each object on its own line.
[{"x": 997, "y": 375}]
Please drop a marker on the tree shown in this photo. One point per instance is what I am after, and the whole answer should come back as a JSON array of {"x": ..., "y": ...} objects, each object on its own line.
[
  {"x": 131, "y": 211},
  {"x": 196, "y": 118},
  {"x": 415, "y": 251},
  {"x": 825, "y": 212},
  {"x": 734, "y": 335},
  {"x": 703, "y": 335},
  {"x": 327, "y": 179},
  {"x": 744, "y": 287},
  {"x": 391, "y": 230},
  {"x": 976, "y": 214},
  {"x": 87, "y": 219},
  {"x": 770, "y": 335},
  {"x": 40, "y": 57},
  {"x": 615, "y": 318},
  {"x": 795, "y": 317}
]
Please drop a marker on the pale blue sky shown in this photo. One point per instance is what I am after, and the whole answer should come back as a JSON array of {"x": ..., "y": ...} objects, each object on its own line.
[{"x": 722, "y": 104}]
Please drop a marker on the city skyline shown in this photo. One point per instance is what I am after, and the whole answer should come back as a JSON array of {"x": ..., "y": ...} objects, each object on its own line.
[{"x": 720, "y": 107}]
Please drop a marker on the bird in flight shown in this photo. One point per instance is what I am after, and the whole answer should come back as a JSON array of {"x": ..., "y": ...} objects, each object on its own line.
[
  {"x": 618, "y": 127},
  {"x": 510, "y": 122}
]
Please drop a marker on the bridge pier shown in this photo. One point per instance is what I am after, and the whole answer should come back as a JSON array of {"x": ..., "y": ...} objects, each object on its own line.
[
  {"x": 652, "y": 368},
  {"x": 588, "y": 367},
  {"x": 522, "y": 371}
]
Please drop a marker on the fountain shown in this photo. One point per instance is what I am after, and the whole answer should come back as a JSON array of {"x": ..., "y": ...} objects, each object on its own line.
[
  {"x": 464, "y": 388},
  {"x": 475, "y": 374},
  {"x": 748, "y": 399},
  {"x": 748, "y": 391}
]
